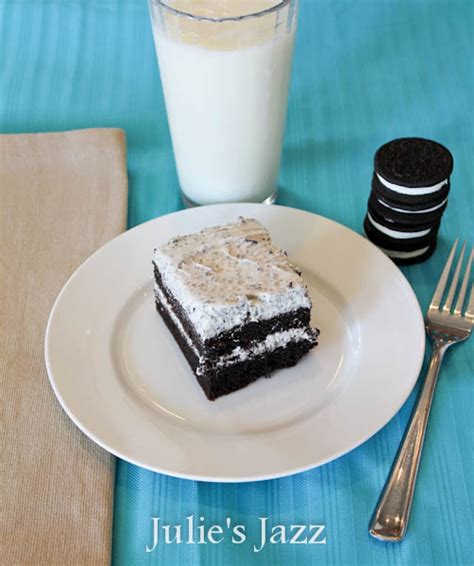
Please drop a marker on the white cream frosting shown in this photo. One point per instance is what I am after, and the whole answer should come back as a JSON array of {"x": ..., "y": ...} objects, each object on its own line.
[
  {"x": 412, "y": 191},
  {"x": 229, "y": 275},
  {"x": 239, "y": 354}
]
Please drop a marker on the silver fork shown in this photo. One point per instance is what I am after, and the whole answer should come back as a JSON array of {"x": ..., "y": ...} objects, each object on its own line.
[{"x": 445, "y": 328}]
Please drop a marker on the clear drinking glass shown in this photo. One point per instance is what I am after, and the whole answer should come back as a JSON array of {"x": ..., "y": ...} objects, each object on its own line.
[{"x": 225, "y": 68}]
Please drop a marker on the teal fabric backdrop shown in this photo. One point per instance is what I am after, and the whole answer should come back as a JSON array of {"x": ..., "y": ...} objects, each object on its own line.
[{"x": 364, "y": 72}]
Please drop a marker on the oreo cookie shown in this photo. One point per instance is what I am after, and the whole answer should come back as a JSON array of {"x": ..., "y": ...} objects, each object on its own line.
[
  {"x": 398, "y": 240},
  {"x": 413, "y": 164},
  {"x": 410, "y": 198},
  {"x": 379, "y": 207},
  {"x": 411, "y": 257},
  {"x": 387, "y": 223}
]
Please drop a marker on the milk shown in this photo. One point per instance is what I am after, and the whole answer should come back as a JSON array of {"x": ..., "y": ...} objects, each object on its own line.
[{"x": 226, "y": 102}]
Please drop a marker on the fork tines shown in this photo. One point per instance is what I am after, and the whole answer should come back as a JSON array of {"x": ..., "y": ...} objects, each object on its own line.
[{"x": 440, "y": 289}]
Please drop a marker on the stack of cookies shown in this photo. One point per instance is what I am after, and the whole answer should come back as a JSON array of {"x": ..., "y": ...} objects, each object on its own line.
[{"x": 410, "y": 189}]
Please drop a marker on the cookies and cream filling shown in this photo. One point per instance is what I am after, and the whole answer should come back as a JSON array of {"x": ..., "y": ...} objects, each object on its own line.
[{"x": 227, "y": 276}]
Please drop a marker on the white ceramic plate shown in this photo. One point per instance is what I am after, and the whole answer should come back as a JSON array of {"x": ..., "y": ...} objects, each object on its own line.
[{"x": 121, "y": 378}]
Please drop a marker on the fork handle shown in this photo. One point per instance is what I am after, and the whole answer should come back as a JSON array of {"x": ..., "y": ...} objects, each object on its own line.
[{"x": 390, "y": 519}]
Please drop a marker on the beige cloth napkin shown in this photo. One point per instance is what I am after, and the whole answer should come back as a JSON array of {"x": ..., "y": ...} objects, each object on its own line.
[{"x": 62, "y": 195}]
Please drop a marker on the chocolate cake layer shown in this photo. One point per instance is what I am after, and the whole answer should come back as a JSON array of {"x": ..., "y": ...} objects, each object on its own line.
[
  {"x": 218, "y": 380},
  {"x": 241, "y": 336},
  {"x": 188, "y": 352},
  {"x": 221, "y": 381}
]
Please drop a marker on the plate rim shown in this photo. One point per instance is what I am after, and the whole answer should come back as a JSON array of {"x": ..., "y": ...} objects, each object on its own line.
[{"x": 289, "y": 470}]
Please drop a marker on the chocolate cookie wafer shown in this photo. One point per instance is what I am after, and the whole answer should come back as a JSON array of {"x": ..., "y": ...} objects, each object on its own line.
[
  {"x": 413, "y": 169},
  {"x": 400, "y": 240},
  {"x": 379, "y": 208},
  {"x": 410, "y": 257},
  {"x": 410, "y": 198}
]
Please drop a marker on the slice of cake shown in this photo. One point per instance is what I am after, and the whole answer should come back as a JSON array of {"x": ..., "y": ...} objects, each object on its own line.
[{"x": 235, "y": 304}]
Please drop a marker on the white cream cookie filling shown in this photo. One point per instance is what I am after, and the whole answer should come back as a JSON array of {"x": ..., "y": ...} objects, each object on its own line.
[
  {"x": 396, "y": 233},
  {"x": 405, "y": 255},
  {"x": 412, "y": 191},
  {"x": 432, "y": 209}
]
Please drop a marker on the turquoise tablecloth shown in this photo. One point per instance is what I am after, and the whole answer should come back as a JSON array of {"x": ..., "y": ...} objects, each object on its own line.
[{"x": 364, "y": 72}]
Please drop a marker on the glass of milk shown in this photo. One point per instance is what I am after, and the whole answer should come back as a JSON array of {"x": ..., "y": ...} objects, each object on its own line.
[{"x": 225, "y": 68}]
